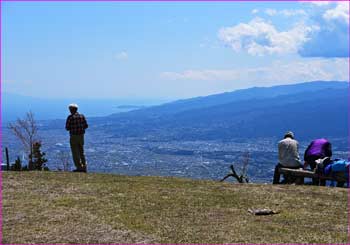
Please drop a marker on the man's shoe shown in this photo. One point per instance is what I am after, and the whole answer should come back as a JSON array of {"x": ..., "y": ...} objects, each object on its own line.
[
  {"x": 84, "y": 167},
  {"x": 79, "y": 170}
]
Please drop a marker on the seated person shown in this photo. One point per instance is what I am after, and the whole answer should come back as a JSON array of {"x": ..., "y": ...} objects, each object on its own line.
[
  {"x": 318, "y": 149},
  {"x": 288, "y": 155}
]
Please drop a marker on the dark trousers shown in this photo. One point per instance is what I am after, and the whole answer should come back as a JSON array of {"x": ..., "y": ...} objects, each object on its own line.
[
  {"x": 77, "y": 147},
  {"x": 277, "y": 175},
  {"x": 312, "y": 162}
]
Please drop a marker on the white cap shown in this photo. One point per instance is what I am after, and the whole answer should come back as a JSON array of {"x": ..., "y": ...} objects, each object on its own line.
[
  {"x": 289, "y": 134},
  {"x": 73, "y": 106},
  {"x": 323, "y": 160}
]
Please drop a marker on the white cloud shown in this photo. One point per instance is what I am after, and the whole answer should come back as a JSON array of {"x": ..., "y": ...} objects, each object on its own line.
[
  {"x": 255, "y": 11},
  {"x": 332, "y": 40},
  {"x": 259, "y": 37},
  {"x": 285, "y": 12},
  {"x": 271, "y": 12},
  {"x": 332, "y": 10},
  {"x": 292, "y": 12},
  {"x": 201, "y": 75},
  {"x": 122, "y": 56},
  {"x": 277, "y": 73},
  {"x": 317, "y": 3},
  {"x": 340, "y": 12}
]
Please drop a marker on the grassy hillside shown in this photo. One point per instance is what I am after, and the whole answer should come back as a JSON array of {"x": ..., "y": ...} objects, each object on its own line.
[{"x": 48, "y": 207}]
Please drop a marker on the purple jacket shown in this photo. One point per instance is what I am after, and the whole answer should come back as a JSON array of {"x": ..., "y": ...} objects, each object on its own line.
[{"x": 318, "y": 148}]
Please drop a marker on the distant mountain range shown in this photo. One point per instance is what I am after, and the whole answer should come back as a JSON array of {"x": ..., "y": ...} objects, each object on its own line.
[{"x": 312, "y": 109}]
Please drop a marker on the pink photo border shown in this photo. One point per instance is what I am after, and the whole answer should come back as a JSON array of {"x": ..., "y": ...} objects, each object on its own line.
[{"x": 1, "y": 147}]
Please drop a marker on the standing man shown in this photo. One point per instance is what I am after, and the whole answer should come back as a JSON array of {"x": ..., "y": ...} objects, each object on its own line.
[
  {"x": 288, "y": 155},
  {"x": 76, "y": 125}
]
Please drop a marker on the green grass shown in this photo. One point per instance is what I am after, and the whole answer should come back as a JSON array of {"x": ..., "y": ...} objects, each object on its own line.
[{"x": 54, "y": 207}]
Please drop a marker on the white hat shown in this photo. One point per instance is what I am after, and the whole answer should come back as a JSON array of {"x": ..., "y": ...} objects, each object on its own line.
[
  {"x": 323, "y": 162},
  {"x": 73, "y": 106}
]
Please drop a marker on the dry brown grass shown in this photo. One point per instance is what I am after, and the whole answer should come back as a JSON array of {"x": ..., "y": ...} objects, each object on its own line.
[{"x": 47, "y": 207}]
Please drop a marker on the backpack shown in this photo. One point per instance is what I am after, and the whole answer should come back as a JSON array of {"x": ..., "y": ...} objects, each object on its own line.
[{"x": 338, "y": 165}]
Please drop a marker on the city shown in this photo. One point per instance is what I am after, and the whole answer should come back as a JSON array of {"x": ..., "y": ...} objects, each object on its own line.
[{"x": 201, "y": 159}]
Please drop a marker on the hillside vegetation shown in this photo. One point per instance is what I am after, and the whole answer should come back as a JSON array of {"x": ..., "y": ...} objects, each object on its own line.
[{"x": 58, "y": 207}]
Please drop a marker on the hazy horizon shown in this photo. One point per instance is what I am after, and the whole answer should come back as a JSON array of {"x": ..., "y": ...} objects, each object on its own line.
[
  {"x": 156, "y": 100},
  {"x": 16, "y": 106},
  {"x": 126, "y": 99}
]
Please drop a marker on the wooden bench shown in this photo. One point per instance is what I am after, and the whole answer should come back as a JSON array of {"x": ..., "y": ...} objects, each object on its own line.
[{"x": 299, "y": 174}]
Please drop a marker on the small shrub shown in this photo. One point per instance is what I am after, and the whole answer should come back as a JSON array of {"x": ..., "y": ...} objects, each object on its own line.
[
  {"x": 38, "y": 162},
  {"x": 17, "y": 166}
]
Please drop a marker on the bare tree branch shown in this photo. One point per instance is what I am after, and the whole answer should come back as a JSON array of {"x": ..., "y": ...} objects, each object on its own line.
[
  {"x": 64, "y": 159},
  {"x": 243, "y": 177},
  {"x": 26, "y": 131},
  {"x": 228, "y": 175}
]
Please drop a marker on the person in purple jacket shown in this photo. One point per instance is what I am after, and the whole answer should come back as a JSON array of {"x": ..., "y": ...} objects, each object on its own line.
[{"x": 319, "y": 148}]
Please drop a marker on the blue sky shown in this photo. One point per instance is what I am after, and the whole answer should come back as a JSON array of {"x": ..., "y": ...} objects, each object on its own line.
[{"x": 169, "y": 50}]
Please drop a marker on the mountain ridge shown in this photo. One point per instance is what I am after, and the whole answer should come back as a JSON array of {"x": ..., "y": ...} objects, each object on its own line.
[
  {"x": 236, "y": 95},
  {"x": 255, "y": 112}
]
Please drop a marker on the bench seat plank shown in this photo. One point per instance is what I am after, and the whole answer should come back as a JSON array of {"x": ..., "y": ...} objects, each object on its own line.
[{"x": 310, "y": 174}]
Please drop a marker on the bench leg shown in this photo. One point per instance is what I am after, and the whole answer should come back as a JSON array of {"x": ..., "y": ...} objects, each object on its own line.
[
  {"x": 315, "y": 181},
  {"x": 340, "y": 184},
  {"x": 276, "y": 175},
  {"x": 289, "y": 179},
  {"x": 299, "y": 181}
]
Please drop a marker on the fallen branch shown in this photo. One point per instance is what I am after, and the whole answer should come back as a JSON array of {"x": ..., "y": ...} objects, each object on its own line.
[{"x": 240, "y": 178}]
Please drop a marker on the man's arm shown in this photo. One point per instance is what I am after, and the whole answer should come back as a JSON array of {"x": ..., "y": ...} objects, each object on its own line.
[
  {"x": 306, "y": 164},
  {"x": 85, "y": 125},
  {"x": 297, "y": 144},
  {"x": 328, "y": 150},
  {"x": 306, "y": 151},
  {"x": 68, "y": 123},
  {"x": 280, "y": 154}
]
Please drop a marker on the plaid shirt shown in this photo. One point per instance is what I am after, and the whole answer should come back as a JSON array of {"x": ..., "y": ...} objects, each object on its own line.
[{"x": 76, "y": 124}]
